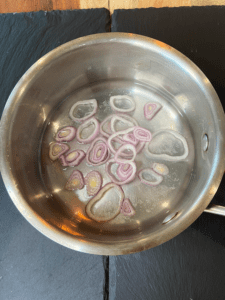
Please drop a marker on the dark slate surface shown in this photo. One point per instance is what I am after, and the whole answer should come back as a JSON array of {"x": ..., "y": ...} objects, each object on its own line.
[
  {"x": 189, "y": 267},
  {"x": 192, "y": 265},
  {"x": 24, "y": 38},
  {"x": 32, "y": 266},
  {"x": 197, "y": 32}
]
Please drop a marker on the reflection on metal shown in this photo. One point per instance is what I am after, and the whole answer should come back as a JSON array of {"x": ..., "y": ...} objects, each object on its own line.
[{"x": 216, "y": 210}]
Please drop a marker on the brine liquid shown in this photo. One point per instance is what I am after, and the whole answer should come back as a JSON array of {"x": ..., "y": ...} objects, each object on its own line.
[{"x": 147, "y": 201}]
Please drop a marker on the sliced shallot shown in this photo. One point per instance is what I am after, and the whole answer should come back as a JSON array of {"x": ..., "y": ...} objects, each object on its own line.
[
  {"x": 106, "y": 205},
  {"x": 142, "y": 134},
  {"x": 57, "y": 149},
  {"x": 75, "y": 182},
  {"x": 127, "y": 208},
  {"x": 151, "y": 109},
  {"x": 130, "y": 177},
  {"x": 123, "y": 99},
  {"x": 93, "y": 181},
  {"x": 86, "y": 104},
  {"x": 130, "y": 138},
  {"x": 84, "y": 126},
  {"x": 124, "y": 171},
  {"x": 63, "y": 161},
  {"x": 66, "y": 134},
  {"x": 98, "y": 153},
  {"x": 160, "y": 169},
  {"x": 124, "y": 119},
  {"x": 74, "y": 158},
  {"x": 150, "y": 177},
  {"x": 105, "y": 127},
  {"x": 117, "y": 136},
  {"x": 121, "y": 157}
]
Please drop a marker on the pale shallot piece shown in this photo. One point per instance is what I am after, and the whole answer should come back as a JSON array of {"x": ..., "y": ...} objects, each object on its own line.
[
  {"x": 83, "y": 133},
  {"x": 123, "y": 121},
  {"x": 160, "y": 169},
  {"x": 105, "y": 126},
  {"x": 106, "y": 205},
  {"x": 150, "y": 177},
  {"x": 122, "y": 157},
  {"x": 86, "y": 109},
  {"x": 122, "y": 103},
  {"x": 167, "y": 145}
]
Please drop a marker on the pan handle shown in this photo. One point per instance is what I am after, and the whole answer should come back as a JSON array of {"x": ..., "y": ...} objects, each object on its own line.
[{"x": 216, "y": 209}]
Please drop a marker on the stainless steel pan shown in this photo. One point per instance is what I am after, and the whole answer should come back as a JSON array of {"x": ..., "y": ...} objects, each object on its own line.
[{"x": 99, "y": 66}]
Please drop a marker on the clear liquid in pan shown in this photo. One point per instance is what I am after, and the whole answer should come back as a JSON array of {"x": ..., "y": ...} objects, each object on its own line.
[{"x": 149, "y": 202}]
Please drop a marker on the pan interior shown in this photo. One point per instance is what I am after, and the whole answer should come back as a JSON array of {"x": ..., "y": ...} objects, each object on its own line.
[{"x": 152, "y": 204}]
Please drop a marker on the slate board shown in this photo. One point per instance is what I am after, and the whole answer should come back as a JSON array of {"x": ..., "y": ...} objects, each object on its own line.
[
  {"x": 192, "y": 265},
  {"x": 32, "y": 266}
]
